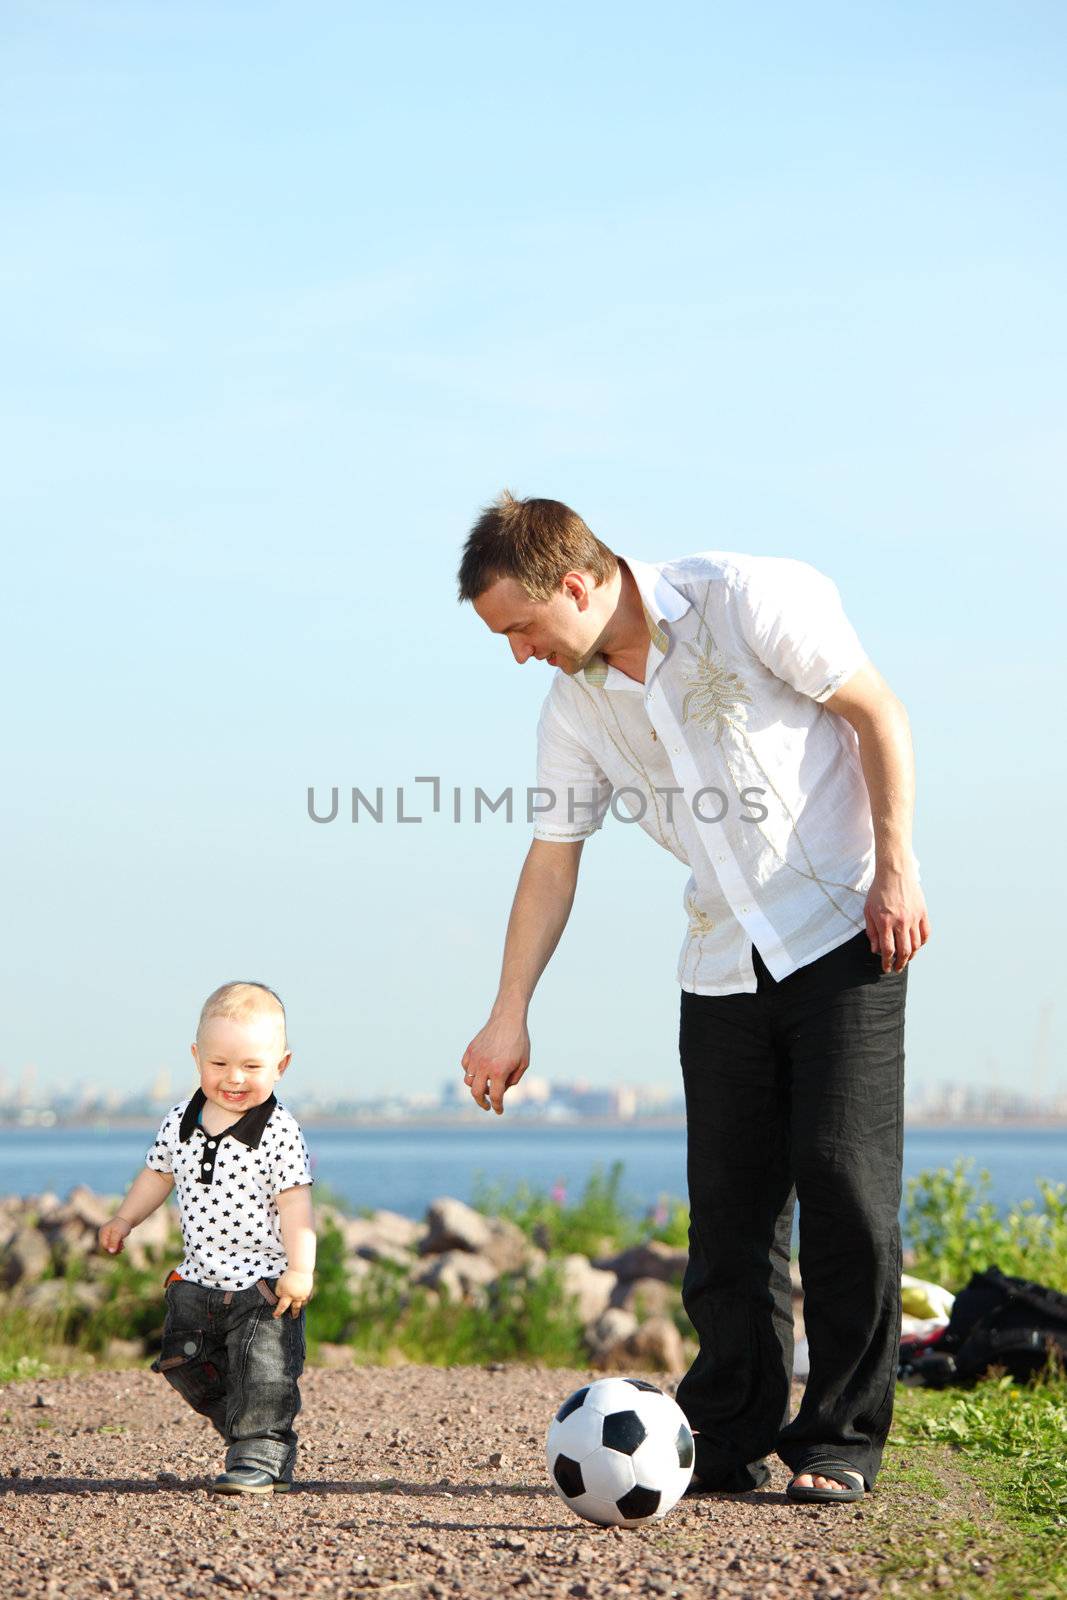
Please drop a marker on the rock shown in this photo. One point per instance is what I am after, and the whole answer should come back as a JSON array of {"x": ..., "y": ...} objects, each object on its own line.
[
  {"x": 536, "y": 1261},
  {"x": 588, "y": 1286},
  {"x": 645, "y": 1297},
  {"x": 457, "y": 1273},
  {"x": 56, "y": 1294},
  {"x": 157, "y": 1232},
  {"x": 655, "y": 1346},
  {"x": 404, "y": 1232},
  {"x": 383, "y": 1237},
  {"x": 610, "y": 1329},
  {"x": 649, "y": 1260},
  {"x": 357, "y": 1271},
  {"x": 71, "y": 1228},
  {"x": 68, "y": 1238},
  {"x": 451, "y": 1225},
  {"x": 509, "y": 1249},
  {"x": 13, "y": 1214},
  {"x": 25, "y": 1258},
  {"x": 371, "y": 1249},
  {"x": 92, "y": 1210}
]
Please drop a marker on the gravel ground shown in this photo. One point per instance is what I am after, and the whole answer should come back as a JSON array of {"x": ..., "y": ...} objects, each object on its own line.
[{"x": 415, "y": 1481}]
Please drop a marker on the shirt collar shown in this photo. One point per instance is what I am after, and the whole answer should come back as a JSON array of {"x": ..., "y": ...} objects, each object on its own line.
[
  {"x": 249, "y": 1128},
  {"x": 662, "y": 603}
]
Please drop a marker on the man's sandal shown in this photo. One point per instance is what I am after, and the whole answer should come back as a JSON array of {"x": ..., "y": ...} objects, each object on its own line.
[{"x": 841, "y": 1470}]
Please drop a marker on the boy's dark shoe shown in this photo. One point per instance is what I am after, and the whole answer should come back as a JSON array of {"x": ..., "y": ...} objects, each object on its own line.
[{"x": 248, "y": 1480}]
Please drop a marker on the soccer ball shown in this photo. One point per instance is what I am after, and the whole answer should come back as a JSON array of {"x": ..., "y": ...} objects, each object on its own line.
[{"x": 620, "y": 1452}]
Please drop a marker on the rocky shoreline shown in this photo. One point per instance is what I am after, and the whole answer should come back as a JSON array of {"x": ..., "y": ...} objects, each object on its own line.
[{"x": 628, "y": 1302}]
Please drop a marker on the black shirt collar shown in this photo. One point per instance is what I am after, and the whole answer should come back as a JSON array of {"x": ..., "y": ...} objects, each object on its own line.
[{"x": 249, "y": 1128}]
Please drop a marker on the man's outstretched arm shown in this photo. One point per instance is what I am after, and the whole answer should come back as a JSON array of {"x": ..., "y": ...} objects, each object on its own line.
[
  {"x": 895, "y": 911},
  {"x": 497, "y": 1057}
]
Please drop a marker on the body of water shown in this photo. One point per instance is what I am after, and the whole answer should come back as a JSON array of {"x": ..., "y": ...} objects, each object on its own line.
[{"x": 405, "y": 1168}]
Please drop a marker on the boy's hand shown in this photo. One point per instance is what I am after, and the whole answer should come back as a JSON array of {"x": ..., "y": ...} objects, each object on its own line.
[
  {"x": 294, "y": 1291},
  {"x": 113, "y": 1233}
]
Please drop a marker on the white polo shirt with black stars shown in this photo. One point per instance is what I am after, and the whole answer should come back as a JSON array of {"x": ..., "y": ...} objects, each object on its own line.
[{"x": 227, "y": 1185}]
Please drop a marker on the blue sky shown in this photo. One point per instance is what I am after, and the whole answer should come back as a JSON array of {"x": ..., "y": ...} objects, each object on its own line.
[{"x": 289, "y": 292}]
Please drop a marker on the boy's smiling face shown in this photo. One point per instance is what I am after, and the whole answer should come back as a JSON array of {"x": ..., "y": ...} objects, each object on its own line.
[{"x": 240, "y": 1060}]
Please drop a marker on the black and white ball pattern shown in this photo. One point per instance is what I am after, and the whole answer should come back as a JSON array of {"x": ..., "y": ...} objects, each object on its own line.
[{"x": 620, "y": 1452}]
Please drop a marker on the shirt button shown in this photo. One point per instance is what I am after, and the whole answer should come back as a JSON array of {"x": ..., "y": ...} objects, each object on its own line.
[
  {"x": 189, "y": 1347},
  {"x": 743, "y": 909},
  {"x": 207, "y": 1166},
  {"x": 722, "y": 858},
  {"x": 211, "y": 1144}
]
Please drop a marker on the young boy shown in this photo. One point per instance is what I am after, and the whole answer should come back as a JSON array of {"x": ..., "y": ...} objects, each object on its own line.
[{"x": 240, "y": 1166}]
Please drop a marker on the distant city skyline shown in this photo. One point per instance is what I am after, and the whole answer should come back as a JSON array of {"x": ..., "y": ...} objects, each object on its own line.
[{"x": 533, "y": 1099}]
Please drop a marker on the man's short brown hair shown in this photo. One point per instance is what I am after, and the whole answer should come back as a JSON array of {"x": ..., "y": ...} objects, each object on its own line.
[{"x": 537, "y": 542}]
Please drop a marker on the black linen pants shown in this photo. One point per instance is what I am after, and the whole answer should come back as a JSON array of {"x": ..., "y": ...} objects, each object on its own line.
[{"x": 795, "y": 1093}]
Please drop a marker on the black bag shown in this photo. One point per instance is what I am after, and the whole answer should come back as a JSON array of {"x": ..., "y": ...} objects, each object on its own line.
[{"x": 997, "y": 1321}]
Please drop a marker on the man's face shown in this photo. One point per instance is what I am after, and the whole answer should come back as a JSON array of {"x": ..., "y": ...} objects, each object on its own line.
[
  {"x": 563, "y": 631},
  {"x": 240, "y": 1061}
]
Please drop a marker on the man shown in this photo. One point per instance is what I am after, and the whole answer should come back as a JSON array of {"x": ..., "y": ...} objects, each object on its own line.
[{"x": 729, "y": 700}]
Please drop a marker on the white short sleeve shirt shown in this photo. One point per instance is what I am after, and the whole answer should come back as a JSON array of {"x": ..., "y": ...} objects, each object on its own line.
[
  {"x": 726, "y": 755},
  {"x": 227, "y": 1185}
]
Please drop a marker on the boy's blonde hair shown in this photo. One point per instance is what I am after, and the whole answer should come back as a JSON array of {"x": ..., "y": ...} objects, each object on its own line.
[{"x": 239, "y": 1001}]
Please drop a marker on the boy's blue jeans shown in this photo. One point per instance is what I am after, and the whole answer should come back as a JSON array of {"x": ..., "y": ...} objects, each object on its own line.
[{"x": 238, "y": 1365}]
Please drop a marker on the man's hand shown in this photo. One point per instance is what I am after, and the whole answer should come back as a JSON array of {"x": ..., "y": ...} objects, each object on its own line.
[
  {"x": 495, "y": 1060},
  {"x": 497, "y": 1057},
  {"x": 113, "y": 1233},
  {"x": 895, "y": 913},
  {"x": 294, "y": 1291}
]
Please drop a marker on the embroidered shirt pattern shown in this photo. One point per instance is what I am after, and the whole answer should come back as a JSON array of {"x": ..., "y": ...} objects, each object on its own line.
[{"x": 727, "y": 757}]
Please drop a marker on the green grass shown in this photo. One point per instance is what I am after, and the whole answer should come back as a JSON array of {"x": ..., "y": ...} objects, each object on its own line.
[
  {"x": 598, "y": 1222},
  {"x": 34, "y": 1347},
  {"x": 1019, "y": 1434},
  {"x": 518, "y": 1323},
  {"x": 955, "y": 1229},
  {"x": 1005, "y": 1449}
]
